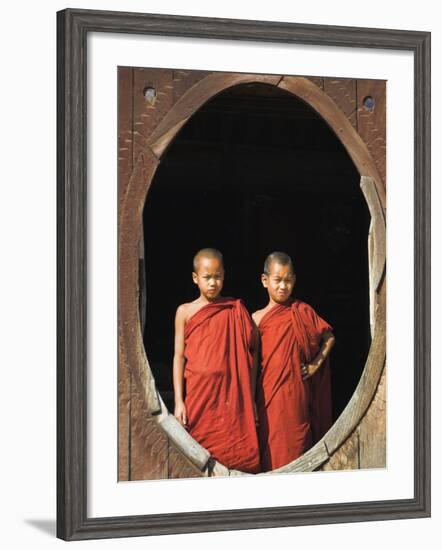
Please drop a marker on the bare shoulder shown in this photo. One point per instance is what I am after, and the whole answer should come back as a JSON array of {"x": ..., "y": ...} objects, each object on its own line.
[
  {"x": 187, "y": 310},
  {"x": 258, "y": 315},
  {"x": 183, "y": 311},
  {"x": 180, "y": 315}
]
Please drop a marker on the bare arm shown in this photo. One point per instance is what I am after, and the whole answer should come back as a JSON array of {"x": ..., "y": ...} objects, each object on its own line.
[
  {"x": 328, "y": 341},
  {"x": 178, "y": 367}
]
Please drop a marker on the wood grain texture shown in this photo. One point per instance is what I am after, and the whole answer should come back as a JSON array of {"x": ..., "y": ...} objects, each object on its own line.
[
  {"x": 149, "y": 445},
  {"x": 309, "y": 461},
  {"x": 125, "y": 166},
  {"x": 124, "y": 403},
  {"x": 377, "y": 244},
  {"x": 372, "y": 123},
  {"x": 125, "y": 130},
  {"x": 132, "y": 346},
  {"x": 148, "y": 114},
  {"x": 184, "y": 442},
  {"x": 317, "y": 81},
  {"x": 343, "y": 93},
  {"x": 346, "y": 457},
  {"x": 215, "y": 469},
  {"x": 373, "y": 430},
  {"x": 179, "y": 466},
  {"x": 184, "y": 80}
]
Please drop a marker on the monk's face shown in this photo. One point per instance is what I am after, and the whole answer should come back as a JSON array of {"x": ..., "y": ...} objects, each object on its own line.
[
  {"x": 279, "y": 283},
  {"x": 209, "y": 277}
]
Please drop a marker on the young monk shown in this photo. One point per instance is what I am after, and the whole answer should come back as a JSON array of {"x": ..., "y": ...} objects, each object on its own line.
[
  {"x": 293, "y": 392},
  {"x": 214, "y": 370}
]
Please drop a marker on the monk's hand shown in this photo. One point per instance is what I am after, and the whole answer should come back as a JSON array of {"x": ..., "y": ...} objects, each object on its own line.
[
  {"x": 308, "y": 370},
  {"x": 180, "y": 413}
]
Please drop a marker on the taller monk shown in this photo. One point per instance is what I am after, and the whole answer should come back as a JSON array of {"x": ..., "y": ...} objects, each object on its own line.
[
  {"x": 293, "y": 391},
  {"x": 214, "y": 369}
]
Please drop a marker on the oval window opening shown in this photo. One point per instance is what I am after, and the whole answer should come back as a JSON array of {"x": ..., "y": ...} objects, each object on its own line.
[{"x": 256, "y": 170}]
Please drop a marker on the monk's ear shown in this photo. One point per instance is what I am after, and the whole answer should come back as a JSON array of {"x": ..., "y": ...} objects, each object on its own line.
[
  {"x": 195, "y": 277},
  {"x": 264, "y": 280}
]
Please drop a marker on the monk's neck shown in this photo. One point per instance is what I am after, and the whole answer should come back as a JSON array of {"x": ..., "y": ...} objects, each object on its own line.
[
  {"x": 272, "y": 303},
  {"x": 202, "y": 299}
]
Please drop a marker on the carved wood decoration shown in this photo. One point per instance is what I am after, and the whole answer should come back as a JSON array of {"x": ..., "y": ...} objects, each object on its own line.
[{"x": 153, "y": 105}]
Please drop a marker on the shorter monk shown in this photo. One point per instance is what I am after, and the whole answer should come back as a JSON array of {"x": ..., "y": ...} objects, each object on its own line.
[
  {"x": 293, "y": 391},
  {"x": 214, "y": 369}
]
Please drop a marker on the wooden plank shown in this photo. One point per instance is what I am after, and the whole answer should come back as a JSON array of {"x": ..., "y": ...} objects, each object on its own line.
[
  {"x": 309, "y": 461},
  {"x": 181, "y": 467},
  {"x": 347, "y": 456},
  {"x": 372, "y": 123},
  {"x": 317, "y": 80},
  {"x": 182, "y": 440},
  {"x": 376, "y": 243},
  {"x": 130, "y": 326},
  {"x": 124, "y": 171},
  {"x": 150, "y": 110},
  {"x": 124, "y": 398},
  {"x": 149, "y": 445},
  {"x": 343, "y": 93},
  {"x": 142, "y": 283},
  {"x": 184, "y": 80},
  {"x": 193, "y": 99},
  {"x": 215, "y": 469},
  {"x": 373, "y": 430},
  {"x": 125, "y": 130}
]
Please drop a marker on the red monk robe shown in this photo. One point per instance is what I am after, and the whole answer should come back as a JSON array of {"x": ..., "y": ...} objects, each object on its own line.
[
  {"x": 219, "y": 340},
  {"x": 293, "y": 413}
]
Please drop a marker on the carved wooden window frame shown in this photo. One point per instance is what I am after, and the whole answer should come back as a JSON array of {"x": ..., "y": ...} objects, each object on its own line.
[{"x": 130, "y": 239}]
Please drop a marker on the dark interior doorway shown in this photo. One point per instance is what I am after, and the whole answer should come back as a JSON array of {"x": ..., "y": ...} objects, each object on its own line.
[{"x": 253, "y": 171}]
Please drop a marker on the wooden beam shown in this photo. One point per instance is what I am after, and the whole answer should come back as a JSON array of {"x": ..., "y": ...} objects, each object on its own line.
[
  {"x": 192, "y": 100},
  {"x": 309, "y": 461}
]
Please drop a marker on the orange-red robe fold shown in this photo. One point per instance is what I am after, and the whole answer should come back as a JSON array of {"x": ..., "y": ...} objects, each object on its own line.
[
  {"x": 293, "y": 413},
  {"x": 219, "y": 341}
]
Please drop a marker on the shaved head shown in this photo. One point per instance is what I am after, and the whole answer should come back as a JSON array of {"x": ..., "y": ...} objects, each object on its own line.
[
  {"x": 211, "y": 253},
  {"x": 277, "y": 257}
]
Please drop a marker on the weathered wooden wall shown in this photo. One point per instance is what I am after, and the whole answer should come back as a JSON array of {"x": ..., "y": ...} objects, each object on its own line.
[{"x": 145, "y": 452}]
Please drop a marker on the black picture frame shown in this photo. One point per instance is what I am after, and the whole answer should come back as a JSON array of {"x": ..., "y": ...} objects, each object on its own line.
[{"x": 73, "y": 27}]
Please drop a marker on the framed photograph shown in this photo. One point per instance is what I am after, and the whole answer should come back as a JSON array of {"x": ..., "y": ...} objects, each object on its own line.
[{"x": 233, "y": 196}]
